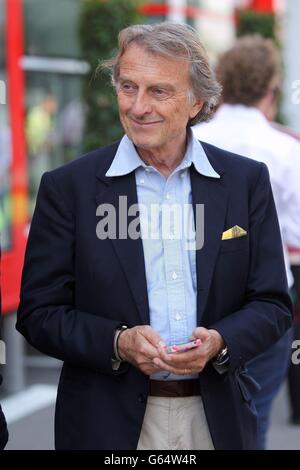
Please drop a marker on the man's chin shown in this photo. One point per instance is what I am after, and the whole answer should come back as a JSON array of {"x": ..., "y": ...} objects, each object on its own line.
[{"x": 144, "y": 144}]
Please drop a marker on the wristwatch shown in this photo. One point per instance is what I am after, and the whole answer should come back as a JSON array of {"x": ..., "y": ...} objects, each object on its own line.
[
  {"x": 221, "y": 362},
  {"x": 117, "y": 360}
]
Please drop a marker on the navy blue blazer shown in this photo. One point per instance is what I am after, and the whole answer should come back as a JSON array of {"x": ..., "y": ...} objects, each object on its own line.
[{"x": 77, "y": 289}]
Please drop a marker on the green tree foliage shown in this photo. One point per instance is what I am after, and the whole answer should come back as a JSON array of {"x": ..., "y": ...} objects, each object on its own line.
[
  {"x": 100, "y": 23},
  {"x": 251, "y": 22}
]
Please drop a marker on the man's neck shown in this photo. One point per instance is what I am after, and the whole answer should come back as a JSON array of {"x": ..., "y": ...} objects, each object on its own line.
[
  {"x": 267, "y": 106},
  {"x": 164, "y": 161}
]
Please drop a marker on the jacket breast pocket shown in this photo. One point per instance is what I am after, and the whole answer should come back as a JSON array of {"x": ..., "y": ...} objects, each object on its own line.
[{"x": 234, "y": 244}]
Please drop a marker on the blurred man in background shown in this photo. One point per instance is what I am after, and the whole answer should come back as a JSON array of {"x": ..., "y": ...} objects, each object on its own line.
[{"x": 250, "y": 76}]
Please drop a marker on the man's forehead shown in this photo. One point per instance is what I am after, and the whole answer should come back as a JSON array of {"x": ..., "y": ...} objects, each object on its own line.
[{"x": 136, "y": 60}]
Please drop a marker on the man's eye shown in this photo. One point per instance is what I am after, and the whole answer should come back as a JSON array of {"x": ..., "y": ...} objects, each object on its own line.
[
  {"x": 128, "y": 87},
  {"x": 160, "y": 93}
]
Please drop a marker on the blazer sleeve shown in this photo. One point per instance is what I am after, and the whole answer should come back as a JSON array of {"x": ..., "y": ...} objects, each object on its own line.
[
  {"x": 47, "y": 316},
  {"x": 267, "y": 310}
]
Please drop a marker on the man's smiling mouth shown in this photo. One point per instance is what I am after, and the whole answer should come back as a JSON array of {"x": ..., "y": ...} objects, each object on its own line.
[{"x": 144, "y": 123}]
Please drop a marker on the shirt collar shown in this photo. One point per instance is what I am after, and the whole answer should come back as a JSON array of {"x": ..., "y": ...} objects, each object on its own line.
[{"x": 127, "y": 159}]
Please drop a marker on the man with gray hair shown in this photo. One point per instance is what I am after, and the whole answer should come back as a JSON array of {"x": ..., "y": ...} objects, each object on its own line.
[{"x": 114, "y": 296}]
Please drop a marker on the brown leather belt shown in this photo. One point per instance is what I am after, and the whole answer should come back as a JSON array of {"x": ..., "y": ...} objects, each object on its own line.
[{"x": 174, "y": 388}]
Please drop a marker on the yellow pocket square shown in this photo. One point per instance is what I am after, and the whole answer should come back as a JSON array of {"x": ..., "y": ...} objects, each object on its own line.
[{"x": 234, "y": 232}]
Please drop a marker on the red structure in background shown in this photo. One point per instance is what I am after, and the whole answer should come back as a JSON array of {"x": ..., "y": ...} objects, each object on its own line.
[
  {"x": 155, "y": 9},
  {"x": 12, "y": 261},
  {"x": 262, "y": 6},
  {"x": 190, "y": 12}
]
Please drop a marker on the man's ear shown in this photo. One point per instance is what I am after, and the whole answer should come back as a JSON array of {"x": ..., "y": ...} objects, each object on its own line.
[{"x": 197, "y": 106}]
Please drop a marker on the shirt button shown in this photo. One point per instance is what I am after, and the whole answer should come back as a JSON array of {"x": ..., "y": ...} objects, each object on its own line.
[
  {"x": 182, "y": 174},
  {"x": 148, "y": 170},
  {"x": 177, "y": 316},
  {"x": 174, "y": 276},
  {"x": 168, "y": 196},
  {"x": 142, "y": 181}
]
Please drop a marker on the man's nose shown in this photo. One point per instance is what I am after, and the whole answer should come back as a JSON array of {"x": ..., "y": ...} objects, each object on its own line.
[{"x": 141, "y": 104}]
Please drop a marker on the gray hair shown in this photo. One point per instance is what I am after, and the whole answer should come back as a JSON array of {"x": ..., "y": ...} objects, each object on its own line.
[{"x": 178, "y": 41}]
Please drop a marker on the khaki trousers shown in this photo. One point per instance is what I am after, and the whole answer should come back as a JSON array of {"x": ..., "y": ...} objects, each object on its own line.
[{"x": 175, "y": 424}]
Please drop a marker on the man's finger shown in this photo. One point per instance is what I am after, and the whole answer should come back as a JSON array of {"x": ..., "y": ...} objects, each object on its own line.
[{"x": 174, "y": 370}]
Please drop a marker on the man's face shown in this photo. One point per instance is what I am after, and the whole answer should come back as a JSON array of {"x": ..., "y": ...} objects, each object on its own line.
[{"x": 153, "y": 99}]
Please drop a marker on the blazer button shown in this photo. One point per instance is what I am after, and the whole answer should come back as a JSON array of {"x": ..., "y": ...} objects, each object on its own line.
[{"x": 142, "y": 398}]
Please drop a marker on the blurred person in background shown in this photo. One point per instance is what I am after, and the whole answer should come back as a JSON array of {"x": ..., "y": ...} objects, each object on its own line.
[
  {"x": 294, "y": 369},
  {"x": 5, "y": 163},
  {"x": 250, "y": 76},
  {"x": 3, "y": 425},
  {"x": 108, "y": 303},
  {"x": 40, "y": 135},
  {"x": 39, "y": 125}
]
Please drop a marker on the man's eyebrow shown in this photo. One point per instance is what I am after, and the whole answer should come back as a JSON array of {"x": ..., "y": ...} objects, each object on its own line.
[
  {"x": 125, "y": 79},
  {"x": 164, "y": 85}
]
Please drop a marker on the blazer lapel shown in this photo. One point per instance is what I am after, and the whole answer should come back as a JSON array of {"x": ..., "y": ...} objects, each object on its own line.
[
  {"x": 213, "y": 195},
  {"x": 130, "y": 252}
]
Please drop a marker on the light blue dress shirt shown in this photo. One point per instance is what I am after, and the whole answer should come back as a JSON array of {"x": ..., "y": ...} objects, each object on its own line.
[{"x": 170, "y": 257}]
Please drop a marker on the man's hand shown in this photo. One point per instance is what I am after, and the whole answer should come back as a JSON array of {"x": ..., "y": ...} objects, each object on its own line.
[
  {"x": 139, "y": 346},
  {"x": 194, "y": 360}
]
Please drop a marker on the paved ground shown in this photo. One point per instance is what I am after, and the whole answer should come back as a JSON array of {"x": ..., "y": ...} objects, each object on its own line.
[
  {"x": 282, "y": 434},
  {"x": 35, "y": 431}
]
